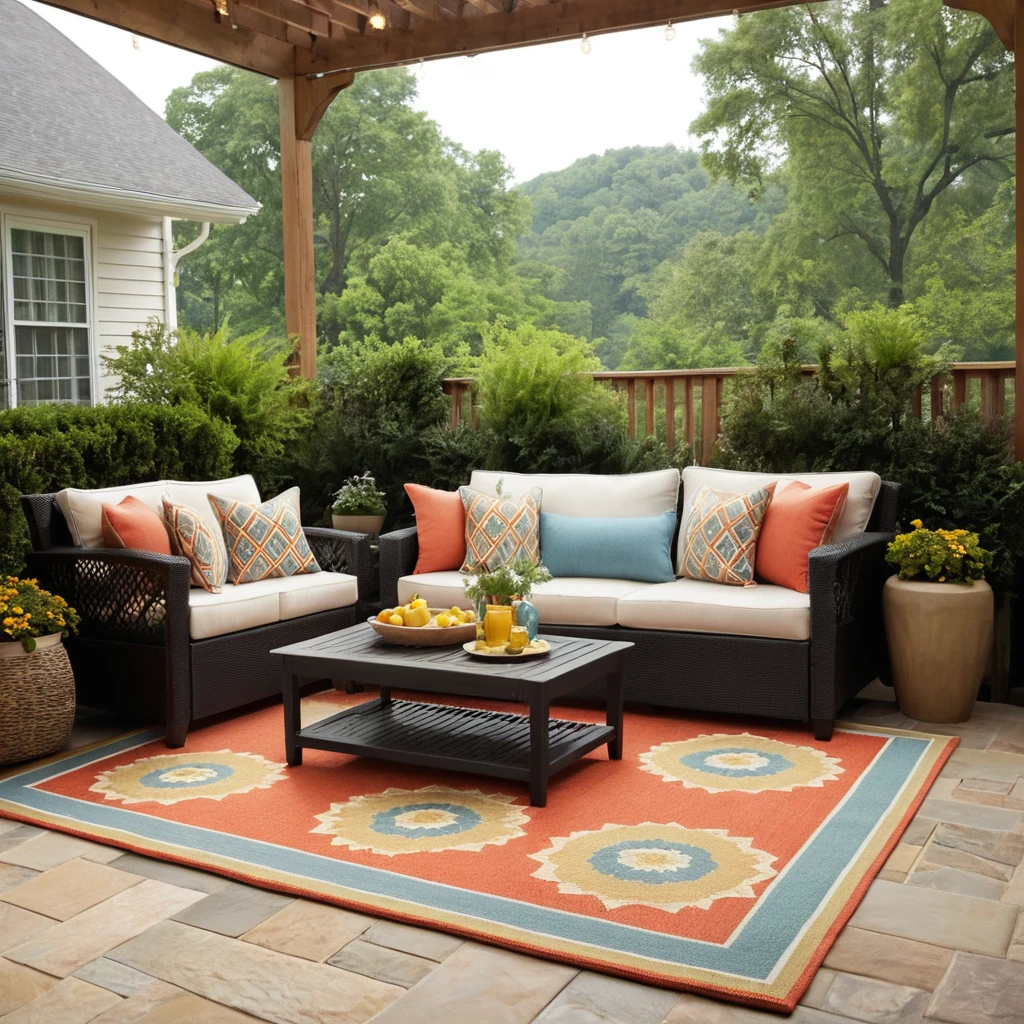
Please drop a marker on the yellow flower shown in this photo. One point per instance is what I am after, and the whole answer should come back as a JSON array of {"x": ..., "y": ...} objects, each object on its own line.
[
  {"x": 942, "y": 579},
  {"x": 19, "y": 611},
  {"x": 916, "y": 524}
]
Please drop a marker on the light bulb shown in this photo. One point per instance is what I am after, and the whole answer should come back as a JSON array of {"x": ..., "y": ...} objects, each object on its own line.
[
  {"x": 376, "y": 19},
  {"x": 585, "y": 43},
  {"x": 670, "y": 32}
]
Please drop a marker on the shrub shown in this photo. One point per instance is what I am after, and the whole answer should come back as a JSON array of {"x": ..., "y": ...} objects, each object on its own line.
[
  {"x": 243, "y": 381},
  {"x": 46, "y": 448}
]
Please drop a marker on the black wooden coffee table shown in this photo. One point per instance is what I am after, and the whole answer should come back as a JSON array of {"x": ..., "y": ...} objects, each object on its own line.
[{"x": 511, "y": 746}]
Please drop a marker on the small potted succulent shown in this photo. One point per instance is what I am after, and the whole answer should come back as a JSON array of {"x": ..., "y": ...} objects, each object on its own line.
[
  {"x": 359, "y": 506},
  {"x": 37, "y": 686},
  {"x": 938, "y": 621}
]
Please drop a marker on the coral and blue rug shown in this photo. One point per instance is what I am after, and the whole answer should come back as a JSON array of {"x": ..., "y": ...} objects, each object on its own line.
[{"x": 714, "y": 857}]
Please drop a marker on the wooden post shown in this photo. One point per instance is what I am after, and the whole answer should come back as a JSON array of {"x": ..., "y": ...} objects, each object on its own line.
[
  {"x": 649, "y": 407},
  {"x": 916, "y": 404},
  {"x": 301, "y": 102},
  {"x": 631, "y": 402},
  {"x": 670, "y": 413},
  {"x": 1018, "y": 46},
  {"x": 709, "y": 417},
  {"x": 959, "y": 389},
  {"x": 689, "y": 427}
]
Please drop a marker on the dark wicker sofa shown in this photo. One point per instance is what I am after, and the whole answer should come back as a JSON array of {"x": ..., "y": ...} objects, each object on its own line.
[
  {"x": 134, "y": 652},
  {"x": 805, "y": 680}
]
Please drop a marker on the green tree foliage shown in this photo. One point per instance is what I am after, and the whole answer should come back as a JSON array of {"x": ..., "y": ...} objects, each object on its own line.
[
  {"x": 381, "y": 169},
  {"x": 242, "y": 381},
  {"x": 878, "y": 108}
]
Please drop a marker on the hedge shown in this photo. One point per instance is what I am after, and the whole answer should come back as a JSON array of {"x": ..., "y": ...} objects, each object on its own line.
[{"x": 46, "y": 448}]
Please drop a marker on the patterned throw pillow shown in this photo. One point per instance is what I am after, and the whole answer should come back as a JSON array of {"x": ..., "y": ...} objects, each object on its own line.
[
  {"x": 721, "y": 534},
  {"x": 502, "y": 530},
  {"x": 264, "y": 540},
  {"x": 202, "y": 546}
]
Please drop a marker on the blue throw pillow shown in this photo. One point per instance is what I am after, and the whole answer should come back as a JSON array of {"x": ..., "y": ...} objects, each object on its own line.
[{"x": 617, "y": 549}]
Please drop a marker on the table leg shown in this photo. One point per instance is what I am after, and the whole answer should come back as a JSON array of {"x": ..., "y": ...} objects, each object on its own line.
[
  {"x": 292, "y": 718},
  {"x": 539, "y": 758},
  {"x": 385, "y": 696},
  {"x": 615, "y": 687}
]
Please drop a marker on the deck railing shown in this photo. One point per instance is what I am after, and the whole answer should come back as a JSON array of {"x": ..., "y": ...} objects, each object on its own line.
[{"x": 687, "y": 403}]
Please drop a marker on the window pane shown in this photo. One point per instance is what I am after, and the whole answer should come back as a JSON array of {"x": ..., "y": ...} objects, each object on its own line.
[
  {"x": 49, "y": 270},
  {"x": 47, "y": 370}
]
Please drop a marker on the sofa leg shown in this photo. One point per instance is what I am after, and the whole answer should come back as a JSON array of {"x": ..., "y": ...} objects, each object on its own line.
[
  {"x": 176, "y": 733},
  {"x": 822, "y": 728}
]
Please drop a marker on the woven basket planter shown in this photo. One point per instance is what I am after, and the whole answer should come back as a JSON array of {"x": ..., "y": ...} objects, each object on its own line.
[{"x": 37, "y": 700}]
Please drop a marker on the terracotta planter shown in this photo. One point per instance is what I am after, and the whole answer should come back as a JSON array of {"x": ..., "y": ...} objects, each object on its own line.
[
  {"x": 37, "y": 699},
  {"x": 358, "y": 524},
  {"x": 939, "y": 638}
]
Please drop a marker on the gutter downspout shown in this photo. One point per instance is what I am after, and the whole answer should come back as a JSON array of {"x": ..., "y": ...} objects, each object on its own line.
[{"x": 171, "y": 257}]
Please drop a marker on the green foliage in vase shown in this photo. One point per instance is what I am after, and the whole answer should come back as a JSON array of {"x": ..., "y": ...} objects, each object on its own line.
[
  {"x": 506, "y": 582},
  {"x": 358, "y": 496},
  {"x": 941, "y": 556}
]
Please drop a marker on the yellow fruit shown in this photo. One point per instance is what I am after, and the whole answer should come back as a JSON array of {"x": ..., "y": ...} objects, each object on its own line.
[
  {"x": 385, "y": 615},
  {"x": 396, "y": 620},
  {"x": 455, "y": 610},
  {"x": 444, "y": 621},
  {"x": 418, "y": 603},
  {"x": 470, "y": 615},
  {"x": 418, "y": 616}
]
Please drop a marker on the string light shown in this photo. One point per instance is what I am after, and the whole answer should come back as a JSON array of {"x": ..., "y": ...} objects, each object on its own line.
[
  {"x": 585, "y": 43},
  {"x": 376, "y": 19},
  {"x": 670, "y": 32}
]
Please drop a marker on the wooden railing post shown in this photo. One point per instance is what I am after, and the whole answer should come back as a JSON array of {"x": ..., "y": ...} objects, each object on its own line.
[
  {"x": 689, "y": 427},
  {"x": 959, "y": 388},
  {"x": 649, "y": 407},
  {"x": 670, "y": 413},
  {"x": 936, "y": 398},
  {"x": 631, "y": 403},
  {"x": 709, "y": 417}
]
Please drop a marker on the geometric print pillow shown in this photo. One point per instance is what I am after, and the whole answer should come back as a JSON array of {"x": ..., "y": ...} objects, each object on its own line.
[
  {"x": 191, "y": 537},
  {"x": 721, "y": 534},
  {"x": 502, "y": 530},
  {"x": 264, "y": 540}
]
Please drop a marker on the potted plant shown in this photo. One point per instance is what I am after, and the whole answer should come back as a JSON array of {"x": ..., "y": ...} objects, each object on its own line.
[
  {"x": 508, "y": 585},
  {"x": 358, "y": 506},
  {"x": 37, "y": 687},
  {"x": 938, "y": 621}
]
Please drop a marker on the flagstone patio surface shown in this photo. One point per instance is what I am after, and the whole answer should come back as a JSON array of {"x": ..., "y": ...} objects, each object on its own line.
[{"x": 88, "y": 934}]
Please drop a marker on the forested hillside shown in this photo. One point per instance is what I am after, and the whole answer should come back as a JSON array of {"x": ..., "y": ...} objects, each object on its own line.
[{"x": 853, "y": 155}]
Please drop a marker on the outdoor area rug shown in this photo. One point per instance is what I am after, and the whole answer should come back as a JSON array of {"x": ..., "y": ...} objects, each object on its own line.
[{"x": 718, "y": 857}]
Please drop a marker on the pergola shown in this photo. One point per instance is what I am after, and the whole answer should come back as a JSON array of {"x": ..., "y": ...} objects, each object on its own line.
[{"x": 314, "y": 48}]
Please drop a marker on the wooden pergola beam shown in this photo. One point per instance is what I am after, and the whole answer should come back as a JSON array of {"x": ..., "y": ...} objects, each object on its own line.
[{"x": 1001, "y": 14}]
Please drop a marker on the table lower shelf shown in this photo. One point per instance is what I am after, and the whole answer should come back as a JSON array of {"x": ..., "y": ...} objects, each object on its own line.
[{"x": 441, "y": 736}]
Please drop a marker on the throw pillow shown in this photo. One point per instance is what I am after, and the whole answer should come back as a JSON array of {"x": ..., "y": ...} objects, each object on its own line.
[
  {"x": 265, "y": 540},
  {"x": 721, "y": 535},
  {"x": 133, "y": 524},
  {"x": 615, "y": 549},
  {"x": 798, "y": 520},
  {"x": 201, "y": 545},
  {"x": 440, "y": 528},
  {"x": 502, "y": 530}
]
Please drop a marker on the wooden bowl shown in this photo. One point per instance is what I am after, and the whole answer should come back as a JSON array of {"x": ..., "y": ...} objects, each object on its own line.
[{"x": 430, "y": 635}]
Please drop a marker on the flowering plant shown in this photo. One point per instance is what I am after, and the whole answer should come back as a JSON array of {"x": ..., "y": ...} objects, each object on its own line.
[
  {"x": 506, "y": 582},
  {"x": 28, "y": 611},
  {"x": 359, "y": 497},
  {"x": 945, "y": 556}
]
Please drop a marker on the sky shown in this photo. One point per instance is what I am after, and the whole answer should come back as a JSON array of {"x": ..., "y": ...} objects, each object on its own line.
[{"x": 542, "y": 106}]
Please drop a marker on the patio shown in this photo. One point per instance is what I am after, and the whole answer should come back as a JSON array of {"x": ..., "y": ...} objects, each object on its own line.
[{"x": 110, "y": 937}]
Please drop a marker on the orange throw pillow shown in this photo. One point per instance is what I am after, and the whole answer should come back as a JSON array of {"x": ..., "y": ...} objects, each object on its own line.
[
  {"x": 800, "y": 519},
  {"x": 440, "y": 526},
  {"x": 133, "y": 524}
]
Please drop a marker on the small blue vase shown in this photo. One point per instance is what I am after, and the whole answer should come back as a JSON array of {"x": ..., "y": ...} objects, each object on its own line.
[{"x": 528, "y": 616}]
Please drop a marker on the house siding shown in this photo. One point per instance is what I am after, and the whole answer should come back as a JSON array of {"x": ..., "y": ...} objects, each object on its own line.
[{"x": 129, "y": 272}]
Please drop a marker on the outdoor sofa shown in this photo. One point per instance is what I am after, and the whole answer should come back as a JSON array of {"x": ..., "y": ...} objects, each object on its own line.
[
  {"x": 762, "y": 650},
  {"x": 155, "y": 647}
]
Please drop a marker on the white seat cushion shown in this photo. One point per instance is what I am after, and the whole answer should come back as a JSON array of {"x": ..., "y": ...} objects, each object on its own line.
[
  {"x": 233, "y": 609},
  {"x": 633, "y": 495},
  {"x": 83, "y": 509},
  {"x": 569, "y": 601},
  {"x": 698, "y": 607},
  {"x": 265, "y": 601},
  {"x": 316, "y": 592}
]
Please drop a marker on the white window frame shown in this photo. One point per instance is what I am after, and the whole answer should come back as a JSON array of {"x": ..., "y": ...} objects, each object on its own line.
[{"x": 30, "y": 221}]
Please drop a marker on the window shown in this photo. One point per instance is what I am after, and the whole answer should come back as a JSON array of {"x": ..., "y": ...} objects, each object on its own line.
[{"x": 47, "y": 284}]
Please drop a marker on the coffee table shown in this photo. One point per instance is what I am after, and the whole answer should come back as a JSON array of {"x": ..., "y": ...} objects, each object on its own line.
[{"x": 530, "y": 748}]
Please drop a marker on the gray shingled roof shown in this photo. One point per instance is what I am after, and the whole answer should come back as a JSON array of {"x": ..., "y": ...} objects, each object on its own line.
[{"x": 66, "y": 122}]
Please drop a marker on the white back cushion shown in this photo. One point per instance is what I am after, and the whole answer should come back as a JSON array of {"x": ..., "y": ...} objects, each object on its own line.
[
  {"x": 194, "y": 494},
  {"x": 83, "y": 509},
  {"x": 596, "y": 497},
  {"x": 860, "y": 501}
]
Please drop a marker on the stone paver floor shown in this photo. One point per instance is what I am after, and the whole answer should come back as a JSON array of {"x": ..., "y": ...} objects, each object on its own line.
[{"x": 90, "y": 934}]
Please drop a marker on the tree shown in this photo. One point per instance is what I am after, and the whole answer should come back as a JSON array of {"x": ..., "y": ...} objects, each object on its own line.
[{"x": 878, "y": 109}]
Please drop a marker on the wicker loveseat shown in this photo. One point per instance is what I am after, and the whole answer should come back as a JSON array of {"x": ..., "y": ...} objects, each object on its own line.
[
  {"x": 762, "y": 650},
  {"x": 155, "y": 647}
]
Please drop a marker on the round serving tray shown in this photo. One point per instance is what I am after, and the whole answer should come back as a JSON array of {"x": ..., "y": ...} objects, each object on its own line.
[
  {"x": 536, "y": 649},
  {"x": 430, "y": 635}
]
